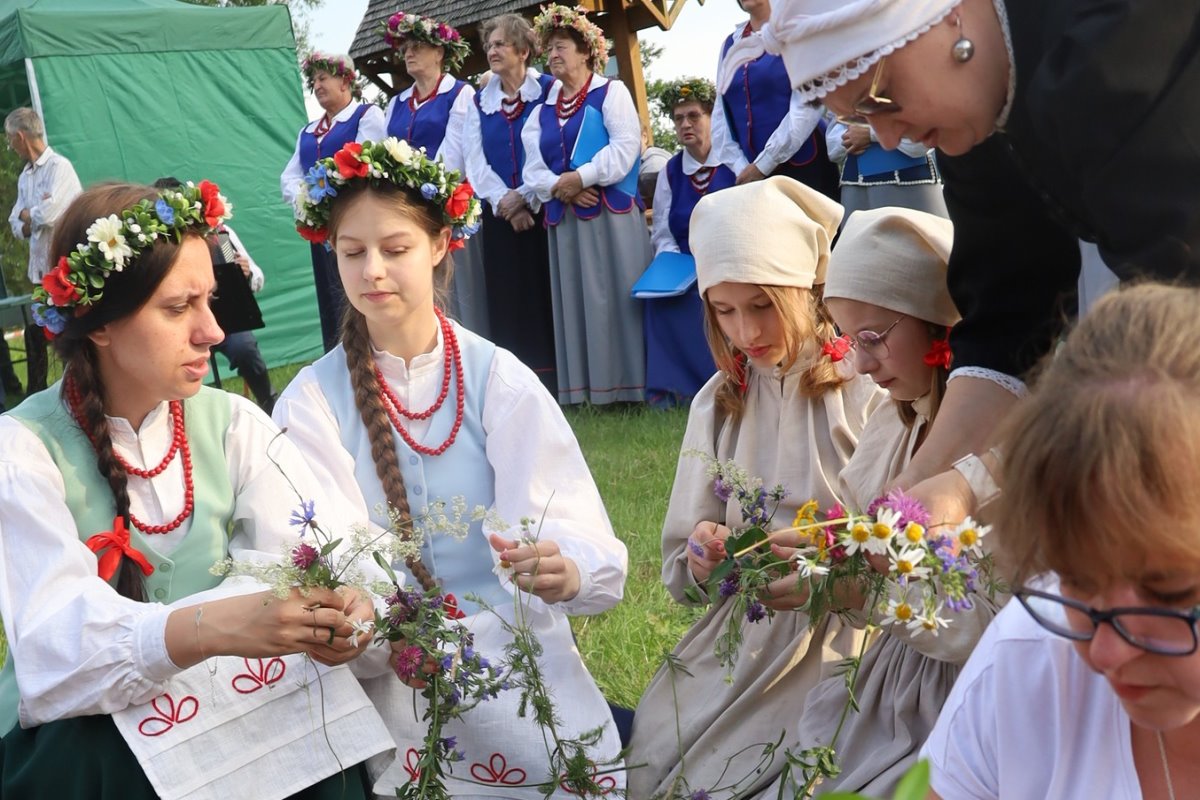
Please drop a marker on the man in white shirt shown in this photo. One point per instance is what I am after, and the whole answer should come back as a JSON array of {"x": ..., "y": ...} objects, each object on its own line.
[{"x": 45, "y": 187}]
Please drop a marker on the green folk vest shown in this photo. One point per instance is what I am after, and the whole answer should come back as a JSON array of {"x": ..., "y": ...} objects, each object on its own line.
[{"x": 185, "y": 571}]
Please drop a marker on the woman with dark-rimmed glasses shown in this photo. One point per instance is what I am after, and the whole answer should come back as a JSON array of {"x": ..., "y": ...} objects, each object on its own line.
[
  {"x": 1089, "y": 686},
  {"x": 1056, "y": 121}
]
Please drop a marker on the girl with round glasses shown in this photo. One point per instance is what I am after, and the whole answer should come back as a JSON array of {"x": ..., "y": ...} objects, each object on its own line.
[{"x": 1090, "y": 686}]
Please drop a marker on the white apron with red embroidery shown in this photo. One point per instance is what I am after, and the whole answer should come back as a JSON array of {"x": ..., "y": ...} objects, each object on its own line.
[
  {"x": 504, "y": 753},
  {"x": 252, "y": 727}
]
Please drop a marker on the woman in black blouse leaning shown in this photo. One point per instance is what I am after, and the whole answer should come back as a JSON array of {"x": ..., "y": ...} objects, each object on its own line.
[{"x": 1056, "y": 121}]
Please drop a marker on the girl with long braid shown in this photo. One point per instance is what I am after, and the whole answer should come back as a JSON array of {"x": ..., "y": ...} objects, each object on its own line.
[
  {"x": 115, "y": 622},
  {"x": 412, "y": 408}
]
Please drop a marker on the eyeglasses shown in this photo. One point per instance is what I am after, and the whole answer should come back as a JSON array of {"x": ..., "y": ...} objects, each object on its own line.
[
  {"x": 872, "y": 103},
  {"x": 495, "y": 44},
  {"x": 872, "y": 343},
  {"x": 1162, "y": 631},
  {"x": 692, "y": 117}
]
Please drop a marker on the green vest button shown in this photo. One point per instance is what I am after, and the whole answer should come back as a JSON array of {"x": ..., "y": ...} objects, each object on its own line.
[
  {"x": 160, "y": 593},
  {"x": 165, "y": 566}
]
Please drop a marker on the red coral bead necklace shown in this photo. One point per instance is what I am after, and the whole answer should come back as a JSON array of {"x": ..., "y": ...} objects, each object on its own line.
[
  {"x": 512, "y": 109},
  {"x": 415, "y": 100},
  {"x": 179, "y": 445},
  {"x": 451, "y": 363},
  {"x": 566, "y": 107}
]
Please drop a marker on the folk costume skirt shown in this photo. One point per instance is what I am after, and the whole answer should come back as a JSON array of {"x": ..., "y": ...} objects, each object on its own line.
[
  {"x": 925, "y": 197},
  {"x": 469, "y": 290},
  {"x": 598, "y": 340},
  {"x": 518, "y": 301},
  {"x": 678, "y": 361},
  {"x": 86, "y": 758}
]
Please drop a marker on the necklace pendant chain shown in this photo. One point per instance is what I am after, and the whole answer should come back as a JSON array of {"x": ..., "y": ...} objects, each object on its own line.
[{"x": 1162, "y": 752}]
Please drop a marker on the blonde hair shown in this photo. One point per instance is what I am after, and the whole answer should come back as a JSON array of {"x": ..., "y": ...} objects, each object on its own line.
[
  {"x": 806, "y": 326},
  {"x": 1101, "y": 465}
]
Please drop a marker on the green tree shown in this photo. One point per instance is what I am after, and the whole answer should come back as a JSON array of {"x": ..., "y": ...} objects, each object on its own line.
[
  {"x": 660, "y": 125},
  {"x": 14, "y": 252}
]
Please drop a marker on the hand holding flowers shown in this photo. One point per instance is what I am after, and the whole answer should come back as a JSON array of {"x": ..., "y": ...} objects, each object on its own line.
[{"x": 538, "y": 566}]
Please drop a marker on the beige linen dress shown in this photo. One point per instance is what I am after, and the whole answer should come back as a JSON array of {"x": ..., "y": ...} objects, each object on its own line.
[
  {"x": 904, "y": 680},
  {"x": 782, "y": 437}
]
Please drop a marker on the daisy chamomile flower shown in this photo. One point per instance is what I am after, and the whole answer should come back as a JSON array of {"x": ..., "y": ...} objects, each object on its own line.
[
  {"x": 909, "y": 564},
  {"x": 882, "y": 531},
  {"x": 856, "y": 537},
  {"x": 969, "y": 534},
  {"x": 930, "y": 622},
  {"x": 899, "y": 612}
]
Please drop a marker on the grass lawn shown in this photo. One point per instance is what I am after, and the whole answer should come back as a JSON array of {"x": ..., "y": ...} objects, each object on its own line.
[{"x": 632, "y": 453}]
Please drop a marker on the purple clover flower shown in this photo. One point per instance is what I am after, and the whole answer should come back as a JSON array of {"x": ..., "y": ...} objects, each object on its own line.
[
  {"x": 908, "y": 507},
  {"x": 304, "y": 555},
  {"x": 408, "y": 662},
  {"x": 721, "y": 489}
]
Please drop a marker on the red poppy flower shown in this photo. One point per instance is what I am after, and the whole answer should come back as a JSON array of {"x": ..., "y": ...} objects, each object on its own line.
[
  {"x": 457, "y": 244},
  {"x": 450, "y": 606},
  {"x": 210, "y": 200},
  {"x": 460, "y": 201},
  {"x": 314, "y": 235},
  {"x": 939, "y": 354},
  {"x": 57, "y": 283},
  {"x": 347, "y": 161}
]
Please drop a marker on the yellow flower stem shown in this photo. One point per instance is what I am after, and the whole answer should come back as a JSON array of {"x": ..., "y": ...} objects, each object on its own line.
[{"x": 797, "y": 529}]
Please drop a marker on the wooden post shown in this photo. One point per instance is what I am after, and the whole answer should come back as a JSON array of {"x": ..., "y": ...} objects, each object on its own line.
[{"x": 629, "y": 55}]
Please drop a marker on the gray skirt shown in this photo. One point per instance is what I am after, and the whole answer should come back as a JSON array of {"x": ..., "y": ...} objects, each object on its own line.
[
  {"x": 918, "y": 196},
  {"x": 468, "y": 293},
  {"x": 600, "y": 352}
]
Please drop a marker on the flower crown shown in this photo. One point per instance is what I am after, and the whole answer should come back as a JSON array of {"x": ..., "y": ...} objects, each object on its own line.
[
  {"x": 117, "y": 240},
  {"x": 686, "y": 90},
  {"x": 556, "y": 17},
  {"x": 391, "y": 161},
  {"x": 335, "y": 65},
  {"x": 401, "y": 26}
]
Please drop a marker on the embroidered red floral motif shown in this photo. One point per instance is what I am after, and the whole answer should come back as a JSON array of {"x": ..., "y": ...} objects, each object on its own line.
[
  {"x": 837, "y": 349},
  {"x": 497, "y": 771},
  {"x": 259, "y": 673},
  {"x": 607, "y": 783},
  {"x": 169, "y": 714},
  {"x": 411, "y": 759}
]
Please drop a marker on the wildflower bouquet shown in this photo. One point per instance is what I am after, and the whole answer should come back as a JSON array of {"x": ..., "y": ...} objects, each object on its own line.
[
  {"x": 433, "y": 648},
  {"x": 909, "y": 574}
]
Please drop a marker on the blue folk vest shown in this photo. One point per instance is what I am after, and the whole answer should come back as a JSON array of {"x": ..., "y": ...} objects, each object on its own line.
[
  {"x": 558, "y": 142},
  {"x": 759, "y": 98},
  {"x": 502, "y": 137},
  {"x": 334, "y": 140},
  {"x": 684, "y": 197},
  {"x": 463, "y": 567},
  {"x": 425, "y": 127}
]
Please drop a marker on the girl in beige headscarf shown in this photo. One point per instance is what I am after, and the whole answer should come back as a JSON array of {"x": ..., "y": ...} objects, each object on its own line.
[
  {"x": 887, "y": 292},
  {"x": 786, "y": 414}
]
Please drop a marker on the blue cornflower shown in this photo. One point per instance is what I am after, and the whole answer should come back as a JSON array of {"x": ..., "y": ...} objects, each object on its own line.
[
  {"x": 166, "y": 214},
  {"x": 428, "y": 191},
  {"x": 302, "y": 517},
  {"x": 49, "y": 317},
  {"x": 319, "y": 186}
]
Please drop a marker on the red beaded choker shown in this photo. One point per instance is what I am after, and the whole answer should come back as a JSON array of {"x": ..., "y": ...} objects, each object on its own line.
[
  {"x": 701, "y": 179},
  {"x": 512, "y": 109},
  {"x": 566, "y": 108},
  {"x": 179, "y": 444},
  {"x": 451, "y": 361},
  {"x": 415, "y": 98}
]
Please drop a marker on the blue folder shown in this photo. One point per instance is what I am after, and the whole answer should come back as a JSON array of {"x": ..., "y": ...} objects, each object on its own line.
[
  {"x": 592, "y": 139},
  {"x": 875, "y": 161},
  {"x": 669, "y": 275}
]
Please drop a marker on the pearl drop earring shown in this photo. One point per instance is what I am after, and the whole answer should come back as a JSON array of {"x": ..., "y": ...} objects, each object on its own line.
[{"x": 963, "y": 49}]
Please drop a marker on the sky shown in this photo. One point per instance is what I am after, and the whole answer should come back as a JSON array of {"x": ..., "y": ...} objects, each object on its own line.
[{"x": 690, "y": 47}]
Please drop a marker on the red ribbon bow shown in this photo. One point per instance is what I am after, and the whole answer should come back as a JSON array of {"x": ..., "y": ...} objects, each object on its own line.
[
  {"x": 939, "y": 354},
  {"x": 837, "y": 349},
  {"x": 450, "y": 606},
  {"x": 110, "y": 546}
]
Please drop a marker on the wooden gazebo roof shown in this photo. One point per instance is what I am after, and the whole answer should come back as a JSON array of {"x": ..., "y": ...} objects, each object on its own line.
[{"x": 620, "y": 20}]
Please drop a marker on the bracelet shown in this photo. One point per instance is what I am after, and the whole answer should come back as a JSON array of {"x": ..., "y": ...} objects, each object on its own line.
[
  {"x": 212, "y": 670},
  {"x": 979, "y": 478}
]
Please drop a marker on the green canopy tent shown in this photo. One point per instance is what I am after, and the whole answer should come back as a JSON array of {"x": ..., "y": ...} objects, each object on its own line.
[{"x": 137, "y": 89}]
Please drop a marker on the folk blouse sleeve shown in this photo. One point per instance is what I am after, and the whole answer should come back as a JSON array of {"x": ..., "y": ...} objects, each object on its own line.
[
  {"x": 372, "y": 127},
  {"x": 541, "y": 473},
  {"x": 660, "y": 233}
]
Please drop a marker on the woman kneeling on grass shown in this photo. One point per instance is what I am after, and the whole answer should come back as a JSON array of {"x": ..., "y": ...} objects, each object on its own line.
[
  {"x": 787, "y": 415},
  {"x": 412, "y": 408},
  {"x": 105, "y": 583},
  {"x": 1090, "y": 686}
]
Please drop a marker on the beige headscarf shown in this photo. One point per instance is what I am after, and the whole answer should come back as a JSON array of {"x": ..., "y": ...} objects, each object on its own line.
[
  {"x": 773, "y": 232},
  {"x": 895, "y": 258}
]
